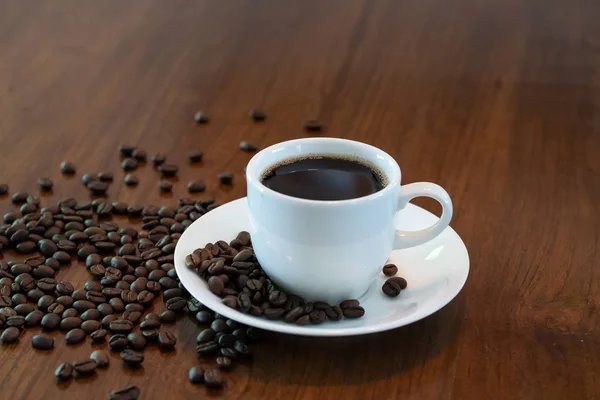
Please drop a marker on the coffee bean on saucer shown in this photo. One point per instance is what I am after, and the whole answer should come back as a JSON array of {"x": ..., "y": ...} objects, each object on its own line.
[
  {"x": 132, "y": 357},
  {"x": 391, "y": 288},
  {"x": 158, "y": 159},
  {"x": 168, "y": 170},
  {"x": 195, "y": 156},
  {"x": 390, "y": 270},
  {"x": 128, "y": 393},
  {"x": 401, "y": 282},
  {"x": 225, "y": 178},
  {"x": 45, "y": 184},
  {"x": 353, "y": 311},
  {"x": 3, "y": 189},
  {"x": 129, "y": 164},
  {"x": 213, "y": 378},
  {"x": 216, "y": 285},
  {"x": 131, "y": 180},
  {"x": 258, "y": 115},
  {"x": 67, "y": 168},
  {"x": 64, "y": 371},
  {"x": 101, "y": 358},
  {"x": 248, "y": 147},
  {"x": 313, "y": 126},
  {"x": 201, "y": 117},
  {"x": 196, "y": 186},
  {"x": 139, "y": 155}
]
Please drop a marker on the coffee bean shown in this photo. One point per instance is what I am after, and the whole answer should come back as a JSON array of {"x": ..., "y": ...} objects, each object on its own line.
[
  {"x": 219, "y": 325},
  {"x": 128, "y": 393},
  {"x": 45, "y": 301},
  {"x": 70, "y": 312},
  {"x": 294, "y": 314},
  {"x": 139, "y": 155},
  {"x": 64, "y": 288},
  {"x": 50, "y": 321},
  {"x": 56, "y": 308},
  {"x": 196, "y": 187},
  {"x": 129, "y": 164},
  {"x": 3, "y": 189},
  {"x": 136, "y": 341},
  {"x": 176, "y": 304},
  {"x": 205, "y": 336},
  {"x": 213, "y": 378},
  {"x": 167, "y": 317},
  {"x": 82, "y": 305},
  {"x": 230, "y": 301},
  {"x": 64, "y": 371},
  {"x": 121, "y": 326},
  {"x": 62, "y": 257},
  {"x": 305, "y": 320},
  {"x": 166, "y": 340},
  {"x": 33, "y": 318},
  {"x": 258, "y": 115},
  {"x": 91, "y": 326},
  {"x": 67, "y": 168},
  {"x": 195, "y": 156},
  {"x": 131, "y": 180},
  {"x": 216, "y": 285},
  {"x": 247, "y": 147},
  {"x": 313, "y": 126},
  {"x": 126, "y": 150},
  {"x": 353, "y": 312},
  {"x": 75, "y": 336},
  {"x": 10, "y": 335},
  {"x": 201, "y": 117},
  {"x": 118, "y": 342},
  {"x": 401, "y": 282},
  {"x": 349, "y": 304},
  {"x": 84, "y": 368},
  {"x": 226, "y": 340},
  {"x": 208, "y": 348},
  {"x": 225, "y": 178},
  {"x": 165, "y": 187},
  {"x": 274, "y": 313},
  {"x": 196, "y": 375},
  {"x": 47, "y": 285},
  {"x": 334, "y": 313},
  {"x": 101, "y": 358},
  {"x": 26, "y": 247},
  {"x": 168, "y": 170},
  {"x": 86, "y": 179},
  {"x": 391, "y": 288},
  {"x": 390, "y": 270},
  {"x": 98, "y": 335},
  {"x": 45, "y": 184},
  {"x": 132, "y": 357},
  {"x": 70, "y": 323},
  {"x": 224, "y": 362}
]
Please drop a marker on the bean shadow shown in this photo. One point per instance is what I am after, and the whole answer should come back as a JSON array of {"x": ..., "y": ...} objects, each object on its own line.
[{"x": 287, "y": 359}]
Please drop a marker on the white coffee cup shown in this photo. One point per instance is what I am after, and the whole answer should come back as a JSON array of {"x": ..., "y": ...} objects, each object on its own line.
[{"x": 332, "y": 250}]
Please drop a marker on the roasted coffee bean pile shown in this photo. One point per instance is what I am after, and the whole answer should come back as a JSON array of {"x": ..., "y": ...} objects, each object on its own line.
[
  {"x": 233, "y": 273},
  {"x": 129, "y": 270}
]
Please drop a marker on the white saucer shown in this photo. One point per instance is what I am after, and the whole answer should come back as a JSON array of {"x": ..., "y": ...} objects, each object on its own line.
[{"x": 435, "y": 271}]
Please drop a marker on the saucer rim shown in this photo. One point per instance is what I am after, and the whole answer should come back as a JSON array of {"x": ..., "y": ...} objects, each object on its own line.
[{"x": 200, "y": 291}]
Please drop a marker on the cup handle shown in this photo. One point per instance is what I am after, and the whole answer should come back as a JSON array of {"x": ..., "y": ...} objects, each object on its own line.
[{"x": 408, "y": 192}]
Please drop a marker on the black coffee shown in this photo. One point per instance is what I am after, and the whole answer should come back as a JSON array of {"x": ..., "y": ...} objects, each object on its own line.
[{"x": 324, "y": 178}]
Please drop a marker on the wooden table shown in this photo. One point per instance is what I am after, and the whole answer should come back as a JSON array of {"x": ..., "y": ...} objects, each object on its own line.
[{"x": 498, "y": 101}]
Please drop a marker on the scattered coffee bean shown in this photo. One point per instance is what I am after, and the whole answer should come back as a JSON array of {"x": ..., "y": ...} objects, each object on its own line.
[
  {"x": 64, "y": 371},
  {"x": 390, "y": 270},
  {"x": 258, "y": 115},
  {"x": 168, "y": 170},
  {"x": 195, "y": 156},
  {"x": 139, "y": 155},
  {"x": 118, "y": 342},
  {"x": 131, "y": 180},
  {"x": 248, "y": 147},
  {"x": 312, "y": 126},
  {"x": 200, "y": 117},
  {"x": 158, "y": 159},
  {"x": 10, "y": 335},
  {"x": 99, "y": 335},
  {"x": 67, "y": 168},
  {"x": 128, "y": 393},
  {"x": 3, "y": 189},
  {"x": 213, "y": 378},
  {"x": 196, "y": 186},
  {"x": 167, "y": 317},
  {"x": 42, "y": 341},
  {"x": 45, "y": 184},
  {"x": 126, "y": 151},
  {"x": 101, "y": 358},
  {"x": 165, "y": 186},
  {"x": 225, "y": 178},
  {"x": 136, "y": 341},
  {"x": 84, "y": 368},
  {"x": 132, "y": 357},
  {"x": 166, "y": 340},
  {"x": 97, "y": 187},
  {"x": 75, "y": 336},
  {"x": 129, "y": 164}
]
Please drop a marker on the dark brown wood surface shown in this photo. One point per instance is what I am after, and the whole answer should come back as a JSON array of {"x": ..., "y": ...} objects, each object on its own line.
[{"x": 497, "y": 101}]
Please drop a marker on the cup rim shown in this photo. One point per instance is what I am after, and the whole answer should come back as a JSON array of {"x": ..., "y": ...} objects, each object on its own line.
[{"x": 253, "y": 176}]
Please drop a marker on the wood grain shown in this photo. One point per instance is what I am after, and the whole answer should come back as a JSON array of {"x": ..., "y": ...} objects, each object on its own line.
[{"x": 497, "y": 101}]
